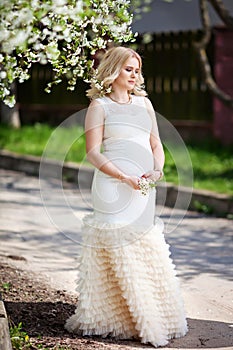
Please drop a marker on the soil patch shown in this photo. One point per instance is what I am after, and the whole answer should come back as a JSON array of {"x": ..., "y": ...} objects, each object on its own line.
[{"x": 43, "y": 312}]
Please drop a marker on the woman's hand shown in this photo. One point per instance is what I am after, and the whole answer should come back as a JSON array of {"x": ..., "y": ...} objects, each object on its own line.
[
  {"x": 153, "y": 175},
  {"x": 132, "y": 181}
]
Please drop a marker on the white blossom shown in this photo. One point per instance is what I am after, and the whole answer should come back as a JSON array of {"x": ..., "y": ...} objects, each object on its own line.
[
  {"x": 65, "y": 33},
  {"x": 4, "y": 34},
  {"x": 52, "y": 51},
  {"x": 145, "y": 185},
  {"x": 3, "y": 75},
  {"x": 6, "y": 91},
  {"x": 46, "y": 21},
  {"x": 59, "y": 2}
]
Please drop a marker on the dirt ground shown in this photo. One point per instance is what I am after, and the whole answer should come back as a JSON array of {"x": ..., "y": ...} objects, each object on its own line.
[{"x": 43, "y": 311}]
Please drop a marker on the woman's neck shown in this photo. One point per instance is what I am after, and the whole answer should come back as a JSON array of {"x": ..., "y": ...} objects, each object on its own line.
[{"x": 120, "y": 96}]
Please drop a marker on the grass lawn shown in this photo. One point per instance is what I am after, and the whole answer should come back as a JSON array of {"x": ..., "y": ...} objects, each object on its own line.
[{"x": 212, "y": 163}]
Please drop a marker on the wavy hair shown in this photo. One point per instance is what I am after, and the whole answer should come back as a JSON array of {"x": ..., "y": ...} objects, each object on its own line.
[{"x": 109, "y": 69}]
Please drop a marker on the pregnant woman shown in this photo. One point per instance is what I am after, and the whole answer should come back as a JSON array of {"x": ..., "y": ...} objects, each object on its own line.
[{"x": 127, "y": 285}]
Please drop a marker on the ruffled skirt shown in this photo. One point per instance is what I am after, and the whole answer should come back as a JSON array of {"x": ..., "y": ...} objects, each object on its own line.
[{"x": 127, "y": 285}]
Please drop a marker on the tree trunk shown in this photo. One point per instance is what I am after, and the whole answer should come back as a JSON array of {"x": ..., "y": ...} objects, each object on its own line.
[
  {"x": 10, "y": 116},
  {"x": 200, "y": 47},
  {"x": 223, "y": 13}
]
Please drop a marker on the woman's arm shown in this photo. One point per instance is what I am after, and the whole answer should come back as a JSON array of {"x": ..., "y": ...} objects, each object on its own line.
[
  {"x": 156, "y": 146},
  {"x": 94, "y": 130}
]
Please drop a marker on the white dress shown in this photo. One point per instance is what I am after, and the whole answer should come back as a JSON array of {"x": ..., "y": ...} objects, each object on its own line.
[{"x": 127, "y": 285}]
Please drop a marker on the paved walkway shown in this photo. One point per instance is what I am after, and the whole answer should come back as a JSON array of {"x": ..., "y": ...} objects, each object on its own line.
[{"x": 201, "y": 248}]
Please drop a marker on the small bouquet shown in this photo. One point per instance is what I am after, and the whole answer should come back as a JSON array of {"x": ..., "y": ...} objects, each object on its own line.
[{"x": 145, "y": 185}]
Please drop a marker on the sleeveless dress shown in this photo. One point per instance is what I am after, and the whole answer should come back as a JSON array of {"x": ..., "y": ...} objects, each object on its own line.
[{"x": 127, "y": 285}]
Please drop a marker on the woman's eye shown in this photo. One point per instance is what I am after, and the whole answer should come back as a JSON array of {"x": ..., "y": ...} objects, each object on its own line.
[{"x": 130, "y": 70}]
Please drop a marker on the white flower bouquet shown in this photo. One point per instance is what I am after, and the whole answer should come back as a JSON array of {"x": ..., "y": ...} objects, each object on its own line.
[{"x": 145, "y": 185}]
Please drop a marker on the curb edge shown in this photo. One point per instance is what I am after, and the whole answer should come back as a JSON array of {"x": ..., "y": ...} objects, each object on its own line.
[
  {"x": 219, "y": 204},
  {"x": 5, "y": 340}
]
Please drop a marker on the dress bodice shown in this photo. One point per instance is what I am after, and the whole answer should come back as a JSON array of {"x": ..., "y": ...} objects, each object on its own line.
[
  {"x": 127, "y": 131},
  {"x": 126, "y": 121}
]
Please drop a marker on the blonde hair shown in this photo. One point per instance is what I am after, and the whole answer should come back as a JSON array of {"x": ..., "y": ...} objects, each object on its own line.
[{"x": 109, "y": 69}]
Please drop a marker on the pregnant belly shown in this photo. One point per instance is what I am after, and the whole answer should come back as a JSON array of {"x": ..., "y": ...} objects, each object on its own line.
[
  {"x": 131, "y": 157},
  {"x": 116, "y": 202}
]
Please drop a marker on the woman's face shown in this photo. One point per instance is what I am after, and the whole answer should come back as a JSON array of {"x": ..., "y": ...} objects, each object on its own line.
[{"x": 128, "y": 76}]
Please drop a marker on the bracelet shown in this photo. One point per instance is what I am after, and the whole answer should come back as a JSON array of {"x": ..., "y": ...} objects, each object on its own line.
[
  {"x": 120, "y": 177},
  {"x": 160, "y": 173}
]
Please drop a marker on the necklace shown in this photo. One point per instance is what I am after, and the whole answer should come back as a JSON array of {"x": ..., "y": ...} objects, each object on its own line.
[{"x": 121, "y": 103}]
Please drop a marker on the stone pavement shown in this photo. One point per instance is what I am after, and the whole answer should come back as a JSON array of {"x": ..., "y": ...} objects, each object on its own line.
[{"x": 48, "y": 242}]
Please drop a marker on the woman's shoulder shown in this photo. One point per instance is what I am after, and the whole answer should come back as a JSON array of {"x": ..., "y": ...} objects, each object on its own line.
[
  {"x": 98, "y": 105},
  {"x": 143, "y": 100},
  {"x": 100, "y": 100},
  {"x": 148, "y": 102}
]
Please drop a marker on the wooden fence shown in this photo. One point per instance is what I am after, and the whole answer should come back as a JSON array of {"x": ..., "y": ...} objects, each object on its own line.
[
  {"x": 36, "y": 105},
  {"x": 172, "y": 76},
  {"x": 172, "y": 79}
]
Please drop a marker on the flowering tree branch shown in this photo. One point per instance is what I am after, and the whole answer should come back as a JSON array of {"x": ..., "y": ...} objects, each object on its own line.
[{"x": 63, "y": 33}]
